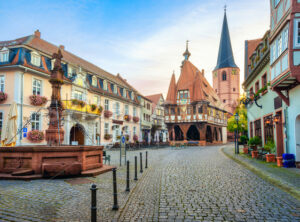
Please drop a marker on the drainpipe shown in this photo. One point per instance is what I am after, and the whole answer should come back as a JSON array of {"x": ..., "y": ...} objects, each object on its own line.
[
  {"x": 21, "y": 112},
  {"x": 286, "y": 130}
]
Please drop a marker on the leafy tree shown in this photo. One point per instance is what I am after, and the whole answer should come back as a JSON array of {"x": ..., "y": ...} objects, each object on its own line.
[{"x": 243, "y": 122}]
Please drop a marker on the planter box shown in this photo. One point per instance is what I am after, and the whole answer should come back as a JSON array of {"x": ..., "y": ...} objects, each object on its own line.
[
  {"x": 270, "y": 158},
  {"x": 245, "y": 150},
  {"x": 279, "y": 161},
  {"x": 254, "y": 154}
]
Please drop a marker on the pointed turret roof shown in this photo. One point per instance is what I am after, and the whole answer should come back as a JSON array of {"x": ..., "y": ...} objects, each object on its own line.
[
  {"x": 198, "y": 88},
  {"x": 225, "y": 57},
  {"x": 171, "y": 96}
]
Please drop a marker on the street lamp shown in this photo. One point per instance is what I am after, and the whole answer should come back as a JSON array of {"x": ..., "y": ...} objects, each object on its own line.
[{"x": 237, "y": 117}]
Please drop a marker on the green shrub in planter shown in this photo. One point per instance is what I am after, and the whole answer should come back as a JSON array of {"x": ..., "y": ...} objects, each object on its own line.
[
  {"x": 270, "y": 146},
  {"x": 243, "y": 139}
]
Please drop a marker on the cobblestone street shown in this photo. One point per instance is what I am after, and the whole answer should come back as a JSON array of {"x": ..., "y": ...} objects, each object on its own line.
[{"x": 189, "y": 184}]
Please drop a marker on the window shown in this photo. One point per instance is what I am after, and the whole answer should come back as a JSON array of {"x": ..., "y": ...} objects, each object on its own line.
[
  {"x": 148, "y": 106},
  {"x": 224, "y": 100},
  {"x": 280, "y": 44},
  {"x": 297, "y": 33},
  {"x": 256, "y": 86},
  {"x": 144, "y": 117},
  {"x": 224, "y": 76},
  {"x": 264, "y": 82},
  {"x": 134, "y": 130},
  {"x": 96, "y": 100},
  {"x": 167, "y": 111},
  {"x": 4, "y": 55},
  {"x": 106, "y": 128},
  {"x": 35, "y": 59},
  {"x": 233, "y": 89},
  {"x": 132, "y": 96},
  {"x": 134, "y": 111},
  {"x": 104, "y": 85},
  {"x": 200, "y": 109},
  {"x": 2, "y": 82},
  {"x": 37, "y": 87},
  {"x": 178, "y": 111},
  {"x": 1, "y": 120},
  {"x": 268, "y": 128},
  {"x": 126, "y": 110},
  {"x": 117, "y": 108},
  {"x": 115, "y": 89},
  {"x": 94, "y": 81},
  {"x": 189, "y": 110},
  {"x": 106, "y": 104},
  {"x": 173, "y": 111},
  {"x": 35, "y": 121},
  {"x": 257, "y": 125},
  {"x": 78, "y": 95},
  {"x": 251, "y": 129},
  {"x": 124, "y": 93}
]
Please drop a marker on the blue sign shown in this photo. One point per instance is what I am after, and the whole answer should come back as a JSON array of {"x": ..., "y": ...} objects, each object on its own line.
[
  {"x": 24, "y": 130},
  {"x": 24, "y": 135},
  {"x": 123, "y": 139}
]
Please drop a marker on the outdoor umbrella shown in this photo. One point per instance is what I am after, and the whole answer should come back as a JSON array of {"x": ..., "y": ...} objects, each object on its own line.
[{"x": 9, "y": 129}]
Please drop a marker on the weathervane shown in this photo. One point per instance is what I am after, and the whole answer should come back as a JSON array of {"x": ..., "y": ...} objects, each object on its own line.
[{"x": 225, "y": 7}]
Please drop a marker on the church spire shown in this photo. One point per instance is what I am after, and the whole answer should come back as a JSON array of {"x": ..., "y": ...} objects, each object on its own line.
[
  {"x": 187, "y": 54},
  {"x": 225, "y": 57}
]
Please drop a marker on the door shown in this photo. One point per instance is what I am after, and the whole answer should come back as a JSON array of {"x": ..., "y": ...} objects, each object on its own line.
[
  {"x": 297, "y": 136},
  {"x": 279, "y": 134},
  {"x": 77, "y": 134}
]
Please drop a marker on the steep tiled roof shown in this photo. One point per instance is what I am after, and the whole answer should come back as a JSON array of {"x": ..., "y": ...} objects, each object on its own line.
[
  {"x": 252, "y": 44},
  {"x": 171, "y": 96},
  {"x": 155, "y": 99},
  {"x": 225, "y": 57}
]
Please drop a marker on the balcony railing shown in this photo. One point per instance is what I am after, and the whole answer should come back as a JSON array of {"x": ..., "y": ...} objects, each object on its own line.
[
  {"x": 82, "y": 108},
  {"x": 194, "y": 118}
]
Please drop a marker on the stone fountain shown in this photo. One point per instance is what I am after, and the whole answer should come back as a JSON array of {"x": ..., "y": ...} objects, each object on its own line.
[{"x": 52, "y": 160}]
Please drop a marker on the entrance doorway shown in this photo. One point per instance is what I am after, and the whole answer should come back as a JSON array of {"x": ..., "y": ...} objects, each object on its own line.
[
  {"x": 193, "y": 133},
  {"x": 297, "y": 136},
  {"x": 209, "y": 136},
  {"x": 77, "y": 134},
  {"x": 178, "y": 133},
  {"x": 279, "y": 134}
]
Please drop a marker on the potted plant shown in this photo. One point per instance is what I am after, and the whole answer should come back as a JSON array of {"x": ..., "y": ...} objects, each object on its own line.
[
  {"x": 107, "y": 113},
  {"x": 36, "y": 136},
  {"x": 270, "y": 148},
  {"x": 37, "y": 100},
  {"x": 135, "y": 119},
  {"x": 243, "y": 141},
  {"x": 107, "y": 136},
  {"x": 3, "y": 97},
  {"x": 253, "y": 143},
  {"x": 93, "y": 107},
  {"x": 127, "y": 118}
]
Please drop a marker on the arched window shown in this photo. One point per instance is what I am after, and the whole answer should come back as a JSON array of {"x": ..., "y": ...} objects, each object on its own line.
[{"x": 224, "y": 76}]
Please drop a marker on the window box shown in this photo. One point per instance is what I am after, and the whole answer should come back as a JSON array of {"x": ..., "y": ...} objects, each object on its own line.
[
  {"x": 78, "y": 102},
  {"x": 136, "y": 119},
  {"x": 37, "y": 100},
  {"x": 93, "y": 107},
  {"x": 3, "y": 97},
  {"x": 36, "y": 136},
  {"x": 107, "y": 136},
  {"x": 107, "y": 114},
  {"x": 127, "y": 118}
]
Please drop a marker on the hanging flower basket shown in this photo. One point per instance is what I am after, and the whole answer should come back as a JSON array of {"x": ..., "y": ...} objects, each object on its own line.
[
  {"x": 127, "y": 118},
  {"x": 136, "y": 119},
  {"x": 78, "y": 102},
  {"x": 107, "y": 113},
  {"x": 36, "y": 136},
  {"x": 107, "y": 136},
  {"x": 37, "y": 100},
  {"x": 93, "y": 107},
  {"x": 3, "y": 97}
]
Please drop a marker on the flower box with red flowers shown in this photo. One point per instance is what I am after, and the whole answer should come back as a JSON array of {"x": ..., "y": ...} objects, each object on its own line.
[
  {"x": 136, "y": 119},
  {"x": 107, "y": 113},
  {"x": 36, "y": 136},
  {"x": 127, "y": 118},
  {"x": 37, "y": 100},
  {"x": 3, "y": 97}
]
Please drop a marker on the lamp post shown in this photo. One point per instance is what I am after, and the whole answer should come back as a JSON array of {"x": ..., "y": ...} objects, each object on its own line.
[{"x": 237, "y": 117}]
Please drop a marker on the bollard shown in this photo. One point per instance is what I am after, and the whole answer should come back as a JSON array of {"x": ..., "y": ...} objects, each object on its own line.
[
  {"x": 141, "y": 163},
  {"x": 127, "y": 180},
  {"x": 115, "y": 192},
  {"x": 146, "y": 164},
  {"x": 135, "y": 168},
  {"x": 93, "y": 203}
]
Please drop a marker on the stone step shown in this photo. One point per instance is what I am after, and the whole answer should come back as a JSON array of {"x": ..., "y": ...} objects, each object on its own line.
[{"x": 22, "y": 172}]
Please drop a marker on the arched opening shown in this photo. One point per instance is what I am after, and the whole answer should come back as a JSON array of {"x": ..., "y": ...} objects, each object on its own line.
[
  {"x": 209, "y": 136},
  {"x": 215, "y": 134},
  {"x": 178, "y": 133},
  {"x": 297, "y": 136},
  {"x": 221, "y": 136},
  {"x": 77, "y": 134},
  {"x": 193, "y": 133},
  {"x": 224, "y": 76}
]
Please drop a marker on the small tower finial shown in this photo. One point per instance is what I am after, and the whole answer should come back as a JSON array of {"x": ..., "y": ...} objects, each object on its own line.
[
  {"x": 187, "y": 54},
  {"x": 225, "y": 7}
]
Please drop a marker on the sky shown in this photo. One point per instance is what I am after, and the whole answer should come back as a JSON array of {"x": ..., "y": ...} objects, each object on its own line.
[{"x": 143, "y": 40}]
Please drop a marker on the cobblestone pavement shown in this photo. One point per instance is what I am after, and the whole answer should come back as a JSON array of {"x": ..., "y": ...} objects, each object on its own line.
[{"x": 190, "y": 184}]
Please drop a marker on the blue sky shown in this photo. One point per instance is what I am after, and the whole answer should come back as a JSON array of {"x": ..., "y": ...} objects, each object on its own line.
[{"x": 142, "y": 40}]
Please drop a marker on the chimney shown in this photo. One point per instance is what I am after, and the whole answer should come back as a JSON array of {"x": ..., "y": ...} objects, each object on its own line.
[
  {"x": 37, "y": 34},
  {"x": 62, "y": 47}
]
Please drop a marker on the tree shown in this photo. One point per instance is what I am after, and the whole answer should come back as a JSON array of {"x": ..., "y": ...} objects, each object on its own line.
[{"x": 243, "y": 121}]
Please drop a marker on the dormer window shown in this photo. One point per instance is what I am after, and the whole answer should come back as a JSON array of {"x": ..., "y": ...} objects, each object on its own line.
[
  {"x": 71, "y": 71},
  {"x": 4, "y": 55},
  {"x": 105, "y": 85},
  {"x": 115, "y": 89},
  {"x": 35, "y": 59},
  {"x": 124, "y": 93},
  {"x": 94, "y": 81},
  {"x": 132, "y": 96}
]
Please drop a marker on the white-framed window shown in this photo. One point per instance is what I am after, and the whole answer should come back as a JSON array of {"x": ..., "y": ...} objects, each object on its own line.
[
  {"x": 97, "y": 100},
  {"x": 134, "y": 111},
  {"x": 71, "y": 71},
  {"x": 134, "y": 130},
  {"x": 35, "y": 59},
  {"x": 132, "y": 96},
  {"x": 124, "y": 93},
  {"x": 94, "y": 81},
  {"x": 37, "y": 87},
  {"x": 106, "y": 128},
  {"x": 104, "y": 85},
  {"x": 106, "y": 104},
  {"x": 35, "y": 121},
  {"x": 115, "y": 89},
  {"x": 297, "y": 32},
  {"x": 126, "y": 110},
  {"x": 4, "y": 55},
  {"x": 279, "y": 45},
  {"x": 1, "y": 120},
  {"x": 2, "y": 83},
  {"x": 78, "y": 95},
  {"x": 117, "y": 108}
]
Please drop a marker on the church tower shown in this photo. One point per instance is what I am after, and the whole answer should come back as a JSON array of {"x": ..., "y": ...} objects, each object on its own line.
[{"x": 226, "y": 75}]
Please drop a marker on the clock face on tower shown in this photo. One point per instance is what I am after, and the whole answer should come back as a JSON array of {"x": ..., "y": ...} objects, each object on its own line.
[{"x": 233, "y": 72}]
